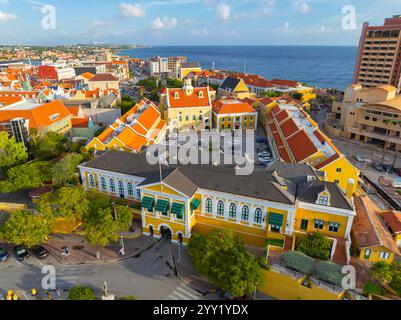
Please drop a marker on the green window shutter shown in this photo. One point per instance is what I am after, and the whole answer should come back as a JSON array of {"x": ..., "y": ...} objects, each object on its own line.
[
  {"x": 276, "y": 219},
  {"x": 367, "y": 254},
  {"x": 304, "y": 224},
  {"x": 178, "y": 209},
  {"x": 195, "y": 203},
  {"x": 162, "y": 206},
  {"x": 148, "y": 203}
]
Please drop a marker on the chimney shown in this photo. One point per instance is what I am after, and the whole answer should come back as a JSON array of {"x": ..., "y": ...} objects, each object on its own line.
[{"x": 350, "y": 188}]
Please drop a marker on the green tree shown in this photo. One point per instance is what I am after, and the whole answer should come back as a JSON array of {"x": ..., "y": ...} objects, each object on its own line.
[
  {"x": 100, "y": 227},
  {"x": 12, "y": 153},
  {"x": 126, "y": 104},
  {"x": 174, "y": 83},
  {"x": 66, "y": 202},
  {"x": 26, "y": 176},
  {"x": 272, "y": 94},
  {"x": 81, "y": 293},
  {"x": 223, "y": 259},
  {"x": 23, "y": 227},
  {"x": 316, "y": 246},
  {"x": 372, "y": 288},
  {"x": 49, "y": 146},
  {"x": 382, "y": 271},
  {"x": 124, "y": 218},
  {"x": 64, "y": 171}
]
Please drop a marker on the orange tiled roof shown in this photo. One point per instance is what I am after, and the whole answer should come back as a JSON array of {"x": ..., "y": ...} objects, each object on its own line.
[
  {"x": 40, "y": 116},
  {"x": 232, "y": 106},
  {"x": 187, "y": 101},
  {"x": 286, "y": 83},
  {"x": 80, "y": 122},
  {"x": 6, "y": 101},
  {"x": 301, "y": 146},
  {"x": 368, "y": 230},
  {"x": 87, "y": 75}
]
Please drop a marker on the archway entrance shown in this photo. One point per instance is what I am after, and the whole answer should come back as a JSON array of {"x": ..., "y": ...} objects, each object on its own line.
[{"x": 166, "y": 233}]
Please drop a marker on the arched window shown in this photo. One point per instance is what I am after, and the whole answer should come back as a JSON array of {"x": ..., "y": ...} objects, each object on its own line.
[
  {"x": 112, "y": 186},
  {"x": 258, "y": 216},
  {"x": 121, "y": 189},
  {"x": 130, "y": 189},
  {"x": 220, "y": 208},
  {"x": 103, "y": 183},
  {"x": 245, "y": 213},
  {"x": 233, "y": 211},
  {"x": 91, "y": 181},
  {"x": 209, "y": 206}
]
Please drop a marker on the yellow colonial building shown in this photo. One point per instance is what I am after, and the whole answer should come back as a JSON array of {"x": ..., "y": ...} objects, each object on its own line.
[
  {"x": 189, "y": 107},
  {"x": 285, "y": 202},
  {"x": 371, "y": 240},
  {"x": 235, "y": 88},
  {"x": 232, "y": 113},
  {"x": 296, "y": 138}
]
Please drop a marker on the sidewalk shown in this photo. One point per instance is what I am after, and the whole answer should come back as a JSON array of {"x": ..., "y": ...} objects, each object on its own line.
[
  {"x": 187, "y": 273},
  {"x": 82, "y": 252}
]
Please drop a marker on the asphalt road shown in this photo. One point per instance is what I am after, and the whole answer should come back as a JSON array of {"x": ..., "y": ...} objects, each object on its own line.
[{"x": 148, "y": 277}]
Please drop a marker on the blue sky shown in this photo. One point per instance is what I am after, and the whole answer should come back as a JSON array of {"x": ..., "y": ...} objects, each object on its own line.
[{"x": 191, "y": 22}]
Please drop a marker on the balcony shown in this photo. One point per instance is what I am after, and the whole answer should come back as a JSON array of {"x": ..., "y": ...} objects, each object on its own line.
[{"x": 373, "y": 135}]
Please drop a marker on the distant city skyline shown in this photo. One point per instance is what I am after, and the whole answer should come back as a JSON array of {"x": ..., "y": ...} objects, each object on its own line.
[{"x": 190, "y": 22}]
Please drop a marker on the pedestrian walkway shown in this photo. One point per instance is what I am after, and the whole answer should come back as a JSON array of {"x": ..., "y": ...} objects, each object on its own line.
[{"x": 183, "y": 292}]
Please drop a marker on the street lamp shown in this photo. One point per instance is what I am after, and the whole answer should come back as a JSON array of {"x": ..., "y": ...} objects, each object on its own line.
[{"x": 122, "y": 251}]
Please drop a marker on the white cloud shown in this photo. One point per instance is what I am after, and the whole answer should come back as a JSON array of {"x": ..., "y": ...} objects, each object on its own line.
[
  {"x": 163, "y": 23},
  {"x": 5, "y": 17},
  {"x": 303, "y": 7},
  {"x": 224, "y": 12},
  {"x": 200, "y": 32},
  {"x": 132, "y": 10}
]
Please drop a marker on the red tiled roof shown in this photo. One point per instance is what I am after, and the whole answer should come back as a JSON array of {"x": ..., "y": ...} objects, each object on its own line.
[
  {"x": 393, "y": 218},
  {"x": 283, "y": 154},
  {"x": 103, "y": 77},
  {"x": 319, "y": 136},
  {"x": 285, "y": 83},
  {"x": 281, "y": 116},
  {"x": 367, "y": 229},
  {"x": 327, "y": 161},
  {"x": 301, "y": 146},
  {"x": 289, "y": 127}
]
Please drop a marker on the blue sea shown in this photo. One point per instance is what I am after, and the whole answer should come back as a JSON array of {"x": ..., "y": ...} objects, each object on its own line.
[{"x": 321, "y": 66}]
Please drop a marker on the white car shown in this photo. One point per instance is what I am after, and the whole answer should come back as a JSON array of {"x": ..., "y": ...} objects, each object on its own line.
[{"x": 264, "y": 154}]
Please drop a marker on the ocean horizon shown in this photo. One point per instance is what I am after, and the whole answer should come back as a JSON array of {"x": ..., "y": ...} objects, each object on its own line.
[{"x": 322, "y": 66}]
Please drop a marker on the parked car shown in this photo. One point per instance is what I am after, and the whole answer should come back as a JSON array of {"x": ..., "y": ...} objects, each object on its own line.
[
  {"x": 397, "y": 171},
  {"x": 378, "y": 166},
  {"x": 261, "y": 140},
  {"x": 359, "y": 158},
  {"x": 3, "y": 254},
  {"x": 40, "y": 252},
  {"x": 21, "y": 253},
  {"x": 264, "y": 154},
  {"x": 388, "y": 168}
]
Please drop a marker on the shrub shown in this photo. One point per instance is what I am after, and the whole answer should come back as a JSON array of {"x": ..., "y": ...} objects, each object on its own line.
[
  {"x": 299, "y": 261},
  {"x": 127, "y": 298},
  {"x": 81, "y": 293},
  {"x": 316, "y": 246},
  {"x": 372, "y": 288},
  {"x": 329, "y": 272}
]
